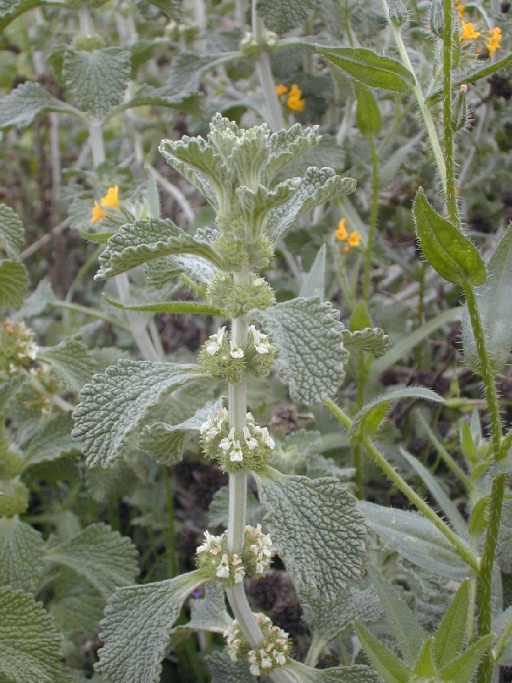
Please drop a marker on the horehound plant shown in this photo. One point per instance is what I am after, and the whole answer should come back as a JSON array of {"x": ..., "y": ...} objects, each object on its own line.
[{"x": 313, "y": 523}]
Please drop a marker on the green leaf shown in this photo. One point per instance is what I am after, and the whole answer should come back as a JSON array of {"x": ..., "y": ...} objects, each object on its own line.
[
  {"x": 13, "y": 284},
  {"x": 162, "y": 270},
  {"x": 172, "y": 8},
  {"x": 70, "y": 361},
  {"x": 166, "y": 442},
  {"x": 148, "y": 239},
  {"x": 319, "y": 533},
  {"x": 36, "y": 302},
  {"x": 136, "y": 628},
  {"x": 21, "y": 555},
  {"x": 369, "y": 418},
  {"x": 52, "y": 441},
  {"x": 405, "y": 628},
  {"x": 341, "y": 674},
  {"x": 12, "y": 232},
  {"x": 174, "y": 307},
  {"x": 28, "y": 101},
  {"x": 307, "y": 334},
  {"x": 448, "y": 251},
  {"x": 416, "y": 538},
  {"x": 223, "y": 670},
  {"x": 115, "y": 403},
  {"x": 392, "y": 669},
  {"x": 504, "y": 550},
  {"x": 286, "y": 145},
  {"x": 370, "y": 68},
  {"x": 318, "y": 186},
  {"x": 460, "y": 670},
  {"x": 209, "y": 613},
  {"x": 11, "y": 9},
  {"x": 424, "y": 668},
  {"x": 451, "y": 632},
  {"x": 111, "y": 484},
  {"x": 495, "y": 307},
  {"x": 29, "y": 642},
  {"x": 284, "y": 15},
  {"x": 368, "y": 116},
  {"x": 314, "y": 283},
  {"x": 371, "y": 339},
  {"x": 103, "y": 557},
  {"x": 76, "y": 605},
  {"x": 98, "y": 79}
]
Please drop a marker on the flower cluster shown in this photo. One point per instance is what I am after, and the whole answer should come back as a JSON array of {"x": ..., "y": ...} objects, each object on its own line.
[
  {"x": 272, "y": 653},
  {"x": 214, "y": 560},
  {"x": 109, "y": 201},
  {"x": 294, "y": 100},
  {"x": 468, "y": 32},
  {"x": 351, "y": 240},
  {"x": 225, "y": 359},
  {"x": 493, "y": 40},
  {"x": 17, "y": 346},
  {"x": 235, "y": 300},
  {"x": 249, "y": 449}
]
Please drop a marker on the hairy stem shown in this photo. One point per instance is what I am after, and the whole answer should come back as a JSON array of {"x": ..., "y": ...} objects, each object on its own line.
[
  {"x": 451, "y": 198},
  {"x": 374, "y": 212}
]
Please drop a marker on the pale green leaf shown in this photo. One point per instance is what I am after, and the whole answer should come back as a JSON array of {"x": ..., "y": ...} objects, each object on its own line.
[
  {"x": 166, "y": 442},
  {"x": 29, "y": 100},
  {"x": 307, "y": 335},
  {"x": 495, "y": 307},
  {"x": 318, "y": 186},
  {"x": 111, "y": 484},
  {"x": 314, "y": 282},
  {"x": 164, "y": 96},
  {"x": 13, "y": 284},
  {"x": 36, "y": 302},
  {"x": 21, "y": 555},
  {"x": 461, "y": 669},
  {"x": 409, "y": 635},
  {"x": 256, "y": 204},
  {"x": 12, "y": 232},
  {"x": 371, "y": 339},
  {"x": 342, "y": 674},
  {"x": 97, "y": 79},
  {"x": 416, "y": 538},
  {"x": 115, "y": 403},
  {"x": 162, "y": 270},
  {"x": 504, "y": 550},
  {"x": 11, "y": 9},
  {"x": 285, "y": 15},
  {"x": 223, "y": 670},
  {"x": 451, "y": 632},
  {"x": 392, "y": 669},
  {"x": 286, "y": 145},
  {"x": 76, "y": 606},
  {"x": 369, "y": 418},
  {"x": 146, "y": 240},
  {"x": 136, "y": 628},
  {"x": 424, "y": 667},
  {"x": 368, "y": 118},
  {"x": 219, "y": 507},
  {"x": 103, "y": 557},
  {"x": 53, "y": 440},
  {"x": 29, "y": 642},
  {"x": 188, "y": 68},
  {"x": 71, "y": 363},
  {"x": 174, "y": 307},
  {"x": 209, "y": 613},
  {"x": 319, "y": 533}
]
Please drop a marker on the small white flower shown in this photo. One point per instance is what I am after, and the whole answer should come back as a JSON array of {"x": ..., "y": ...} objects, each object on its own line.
[
  {"x": 214, "y": 342},
  {"x": 250, "y": 417},
  {"x": 266, "y": 662},
  {"x": 258, "y": 282},
  {"x": 254, "y": 670},
  {"x": 236, "y": 351},
  {"x": 225, "y": 444},
  {"x": 236, "y": 454},
  {"x": 239, "y": 574},
  {"x": 280, "y": 658},
  {"x": 223, "y": 568},
  {"x": 251, "y": 442},
  {"x": 266, "y": 438}
]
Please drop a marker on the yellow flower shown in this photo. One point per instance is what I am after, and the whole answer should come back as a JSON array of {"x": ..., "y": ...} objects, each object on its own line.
[
  {"x": 341, "y": 233},
  {"x": 460, "y": 8},
  {"x": 111, "y": 199},
  {"x": 281, "y": 90},
  {"x": 97, "y": 213},
  {"x": 295, "y": 101},
  {"x": 346, "y": 249},
  {"x": 492, "y": 42},
  {"x": 468, "y": 31},
  {"x": 355, "y": 239}
]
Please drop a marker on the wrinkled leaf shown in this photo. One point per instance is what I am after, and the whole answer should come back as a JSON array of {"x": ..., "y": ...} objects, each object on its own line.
[
  {"x": 53, "y": 440},
  {"x": 12, "y": 232},
  {"x": 13, "y": 284},
  {"x": 71, "y": 363},
  {"x": 371, "y": 339},
  {"x": 29, "y": 100},
  {"x": 21, "y": 555}
]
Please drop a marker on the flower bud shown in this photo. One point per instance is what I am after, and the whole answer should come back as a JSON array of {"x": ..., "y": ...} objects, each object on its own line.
[{"x": 459, "y": 109}]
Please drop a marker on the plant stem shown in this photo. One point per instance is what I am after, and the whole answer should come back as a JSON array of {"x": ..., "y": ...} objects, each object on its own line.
[
  {"x": 374, "y": 212},
  {"x": 94, "y": 313},
  {"x": 172, "y": 569},
  {"x": 463, "y": 550},
  {"x": 451, "y": 198},
  {"x": 275, "y": 114}
]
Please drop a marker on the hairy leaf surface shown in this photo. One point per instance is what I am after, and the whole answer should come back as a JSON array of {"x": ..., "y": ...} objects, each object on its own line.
[
  {"x": 12, "y": 232},
  {"x": 13, "y": 284},
  {"x": 21, "y": 555},
  {"x": 70, "y": 361},
  {"x": 29, "y": 100}
]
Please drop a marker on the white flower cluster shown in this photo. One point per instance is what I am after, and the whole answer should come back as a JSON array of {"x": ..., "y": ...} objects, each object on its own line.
[
  {"x": 260, "y": 340},
  {"x": 253, "y": 436},
  {"x": 272, "y": 653},
  {"x": 261, "y": 547},
  {"x": 216, "y": 341},
  {"x": 215, "y": 546}
]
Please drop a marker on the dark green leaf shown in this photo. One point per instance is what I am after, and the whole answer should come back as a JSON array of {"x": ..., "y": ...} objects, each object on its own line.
[{"x": 392, "y": 669}]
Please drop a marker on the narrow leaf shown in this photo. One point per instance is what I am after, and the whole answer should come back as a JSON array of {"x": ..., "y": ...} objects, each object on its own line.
[
  {"x": 368, "y": 118},
  {"x": 451, "y": 632},
  {"x": 392, "y": 669},
  {"x": 174, "y": 307},
  {"x": 424, "y": 667},
  {"x": 460, "y": 670},
  {"x": 448, "y": 251},
  {"x": 340, "y": 674}
]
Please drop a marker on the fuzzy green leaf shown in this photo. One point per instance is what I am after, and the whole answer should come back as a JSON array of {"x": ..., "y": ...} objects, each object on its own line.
[
  {"x": 21, "y": 555},
  {"x": 416, "y": 538},
  {"x": 448, "y": 251},
  {"x": 370, "y": 68},
  {"x": 284, "y": 15},
  {"x": 103, "y": 557},
  {"x": 76, "y": 605},
  {"x": 495, "y": 307},
  {"x": 504, "y": 549},
  {"x": 145, "y": 240},
  {"x": 318, "y": 186},
  {"x": 97, "y": 79},
  {"x": 314, "y": 283},
  {"x": 409, "y": 635},
  {"x": 371, "y": 339},
  {"x": 13, "y": 285},
  {"x": 11, "y": 9},
  {"x": 71, "y": 363},
  {"x": 451, "y": 632},
  {"x": 52, "y": 441},
  {"x": 424, "y": 667},
  {"x": 29, "y": 642},
  {"x": 166, "y": 442},
  {"x": 369, "y": 418},
  {"x": 323, "y": 512},
  {"x": 286, "y": 145},
  {"x": 12, "y": 232},
  {"x": 174, "y": 307},
  {"x": 223, "y": 670},
  {"x": 307, "y": 335},
  {"x": 136, "y": 628},
  {"x": 461, "y": 669},
  {"x": 162, "y": 270},
  {"x": 392, "y": 669},
  {"x": 29, "y": 100},
  {"x": 111, "y": 484},
  {"x": 368, "y": 118},
  {"x": 340, "y": 674},
  {"x": 115, "y": 403}
]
